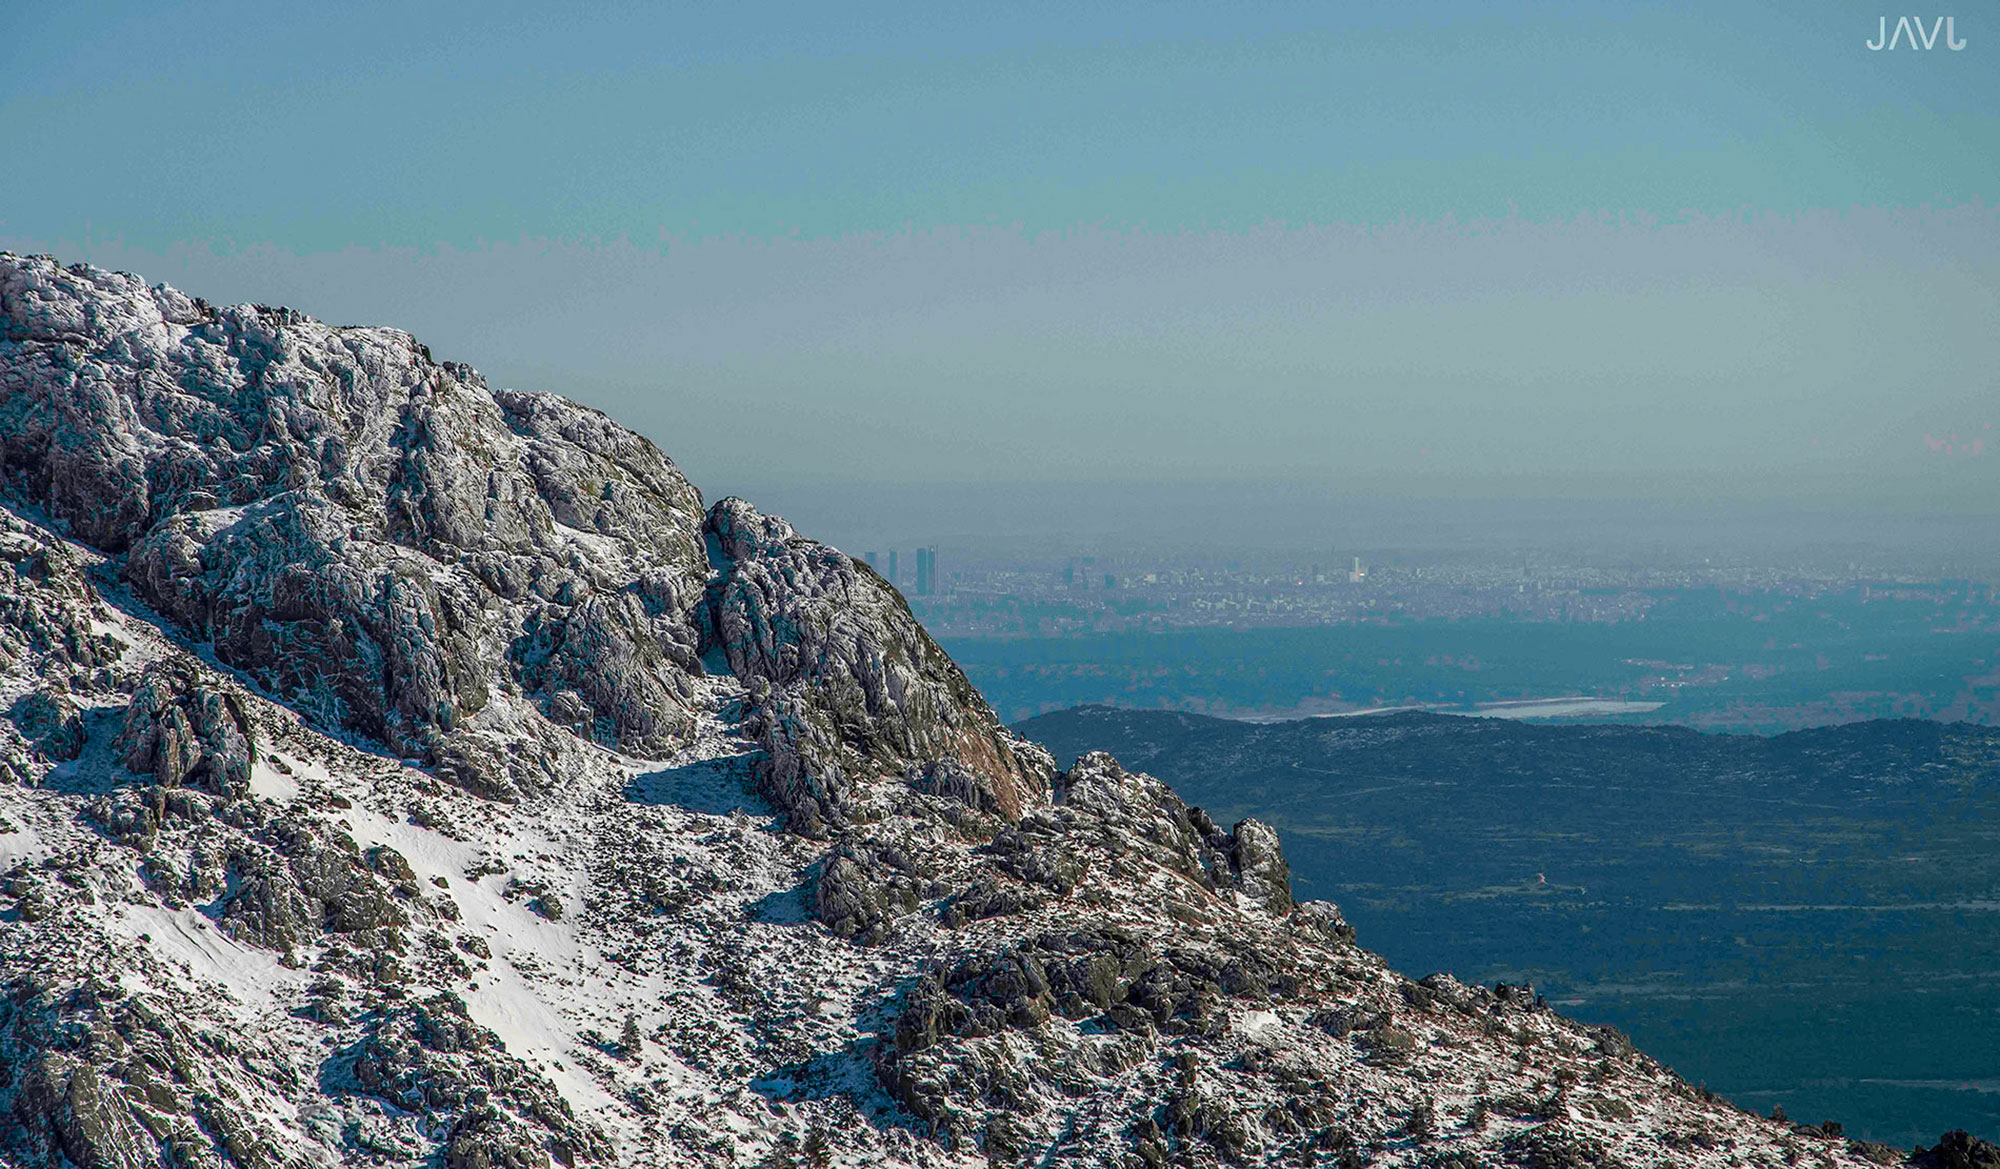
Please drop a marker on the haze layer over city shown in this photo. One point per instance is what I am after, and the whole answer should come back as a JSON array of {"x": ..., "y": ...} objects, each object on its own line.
[{"x": 1224, "y": 301}]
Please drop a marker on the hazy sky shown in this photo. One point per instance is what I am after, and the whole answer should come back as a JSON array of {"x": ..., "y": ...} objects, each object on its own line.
[{"x": 1610, "y": 249}]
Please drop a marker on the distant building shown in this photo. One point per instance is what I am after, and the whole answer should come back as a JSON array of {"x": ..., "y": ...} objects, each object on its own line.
[
  {"x": 1359, "y": 574},
  {"x": 1069, "y": 574},
  {"x": 869, "y": 557},
  {"x": 892, "y": 569},
  {"x": 1110, "y": 582},
  {"x": 927, "y": 577}
]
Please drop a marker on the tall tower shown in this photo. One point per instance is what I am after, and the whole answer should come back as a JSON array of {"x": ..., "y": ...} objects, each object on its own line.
[
  {"x": 927, "y": 578},
  {"x": 892, "y": 568}
]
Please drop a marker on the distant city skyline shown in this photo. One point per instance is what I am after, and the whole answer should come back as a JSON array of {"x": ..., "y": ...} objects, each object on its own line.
[{"x": 1053, "y": 524}]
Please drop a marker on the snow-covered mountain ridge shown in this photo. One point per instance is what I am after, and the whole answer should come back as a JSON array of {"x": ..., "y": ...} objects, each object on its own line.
[{"x": 404, "y": 772}]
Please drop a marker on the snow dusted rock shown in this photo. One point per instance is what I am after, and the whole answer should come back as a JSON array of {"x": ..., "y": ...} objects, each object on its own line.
[
  {"x": 358, "y": 527},
  {"x": 431, "y": 1059},
  {"x": 864, "y": 888},
  {"x": 1255, "y": 865},
  {"x": 67, "y": 1109},
  {"x": 1174, "y": 963},
  {"x": 50, "y": 721},
  {"x": 46, "y": 610},
  {"x": 848, "y": 688},
  {"x": 369, "y": 636},
  {"x": 186, "y": 732},
  {"x": 264, "y": 584},
  {"x": 105, "y": 1077}
]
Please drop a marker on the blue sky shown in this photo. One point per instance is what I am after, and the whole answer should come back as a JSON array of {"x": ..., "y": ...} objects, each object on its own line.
[{"x": 1712, "y": 243}]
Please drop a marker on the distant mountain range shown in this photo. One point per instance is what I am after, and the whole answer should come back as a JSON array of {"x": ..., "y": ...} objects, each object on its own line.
[{"x": 1809, "y": 919}]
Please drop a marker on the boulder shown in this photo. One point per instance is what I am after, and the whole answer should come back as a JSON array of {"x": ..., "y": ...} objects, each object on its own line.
[{"x": 185, "y": 731}]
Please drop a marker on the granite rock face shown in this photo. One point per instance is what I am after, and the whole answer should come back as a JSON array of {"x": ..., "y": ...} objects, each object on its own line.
[
  {"x": 70, "y": 1111},
  {"x": 847, "y": 687},
  {"x": 186, "y": 732},
  {"x": 391, "y": 546},
  {"x": 364, "y": 530}
]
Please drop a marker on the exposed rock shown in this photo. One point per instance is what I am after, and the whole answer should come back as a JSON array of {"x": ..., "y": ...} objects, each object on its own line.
[
  {"x": 1177, "y": 836},
  {"x": 484, "y": 1139},
  {"x": 297, "y": 880},
  {"x": 1325, "y": 918},
  {"x": 990, "y": 898},
  {"x": 50, "y": 722},
  {"x": 1555, "y": 1146},
  {"x": 352, "y": 523},
  {"x": 1259, "y": 866},
  {"x": 849, "y": 689},
  {"x": 67, "y": 1104},
  {"x": 615, "y": 666},
  {"x": 1958, "y": 1149},
  {"x": 185, "y": 732},
  {"x": 430, "y": 1058},
  {"x": 47, "y": 606},
  {"x": 103, "y": 1079},
  {"x": 1034, "y": 853},
  {"x": 863, "y": 888}
]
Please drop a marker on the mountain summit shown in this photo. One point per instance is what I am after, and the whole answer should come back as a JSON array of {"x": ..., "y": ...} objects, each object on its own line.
[{"x": 403, "y": 772}]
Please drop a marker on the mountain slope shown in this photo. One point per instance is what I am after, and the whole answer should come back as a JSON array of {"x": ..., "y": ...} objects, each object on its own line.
[{"x": 405, "y": 772}]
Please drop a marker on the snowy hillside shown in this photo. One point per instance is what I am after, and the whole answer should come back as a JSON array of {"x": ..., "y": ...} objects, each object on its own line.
[{"x": 399, "y": 771}]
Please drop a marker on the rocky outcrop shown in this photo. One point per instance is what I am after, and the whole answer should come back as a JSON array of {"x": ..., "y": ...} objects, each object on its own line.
[
  {"x": 848, "y": 687},
  {"x": 67, "y": 1107},
  {"x": 294, "y": 881},
  {"x": 862, "y": 890},
  {"x": 484, "y": 1138},
  {"x": 1958, "y": 1149},
  {"x": 358, "y": 527},
  {"x": 187, "y": 732},
  {"x": 1105, "y": 826},
  {"x": 394, "y": 548},
  {"x": 1247, "y": 858},
  {"x": 103, "y": 1080},
  {"x": 47, "y": 632}
]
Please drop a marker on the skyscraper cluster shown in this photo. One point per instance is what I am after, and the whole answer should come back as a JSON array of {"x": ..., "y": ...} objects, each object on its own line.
[{"x": 928, "y": 582}]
